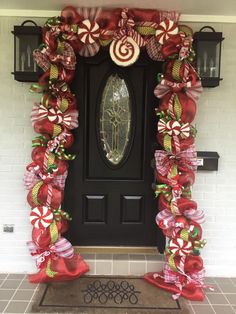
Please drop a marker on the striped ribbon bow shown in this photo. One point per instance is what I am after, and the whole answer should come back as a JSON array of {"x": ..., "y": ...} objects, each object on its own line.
[
  {"x": 68, "y": 119},
  {"x": 165, "y": 219},
  {"x": 193, "y": 90},
  {"x": 180, "y": 279},
  {"x": 186, "y": 158},
  {"x": 34, "y": 175},
  {"x": 64, "y": 55},
  {"x": 56, "y": 145},
  {"x": 173, "y": 127},
  {"x": 61, "y": 248}
]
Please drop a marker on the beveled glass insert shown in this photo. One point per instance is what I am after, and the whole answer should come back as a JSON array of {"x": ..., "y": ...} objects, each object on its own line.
[{"x": 115, "y": 119}]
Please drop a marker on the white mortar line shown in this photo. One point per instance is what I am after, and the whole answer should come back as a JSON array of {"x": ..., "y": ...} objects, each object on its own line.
[
  {"x": 13, "y": 294},
  {"x": 225, "y": 296},
  {"x": 35, "y": 290}
]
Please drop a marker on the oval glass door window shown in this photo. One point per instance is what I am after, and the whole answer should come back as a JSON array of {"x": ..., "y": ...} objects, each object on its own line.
[{"x": 115, "y": 119}]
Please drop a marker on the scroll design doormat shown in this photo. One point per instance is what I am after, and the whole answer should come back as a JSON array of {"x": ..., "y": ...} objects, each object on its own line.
[{"x": 106, "y": 295}]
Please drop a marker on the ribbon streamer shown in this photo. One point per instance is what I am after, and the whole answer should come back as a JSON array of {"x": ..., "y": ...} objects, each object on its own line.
[{"x": 193, "y": 90}]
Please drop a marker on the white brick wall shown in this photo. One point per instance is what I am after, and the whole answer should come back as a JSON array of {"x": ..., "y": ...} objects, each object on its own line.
[
  {"x": 15, "y": 142},
  {"x": 214, "y": 191}
]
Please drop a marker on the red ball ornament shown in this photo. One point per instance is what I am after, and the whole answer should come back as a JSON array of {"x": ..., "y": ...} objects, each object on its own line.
[
  {"x": 195, "y": 230},
  {"x": 185, "y": 72},
  {"x": 185, "y": 178},
  {"x": 182, "y": 203},
  {"x": 43, "y": 195},
  {"x": 186, "y": 104}
]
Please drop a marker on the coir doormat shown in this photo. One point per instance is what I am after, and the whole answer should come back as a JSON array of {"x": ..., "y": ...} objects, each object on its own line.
[{"x": 106, "y": 295}]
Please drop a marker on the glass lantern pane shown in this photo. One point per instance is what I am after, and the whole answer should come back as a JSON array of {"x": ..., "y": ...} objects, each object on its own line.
[
  {"x": 208, "y": 58},
  {"x": 115, "y": 119},
  {"x": 25, "y": 45}
]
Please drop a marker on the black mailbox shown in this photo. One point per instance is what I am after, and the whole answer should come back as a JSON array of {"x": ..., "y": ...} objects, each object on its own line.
[{"x": 207, "y": 161}]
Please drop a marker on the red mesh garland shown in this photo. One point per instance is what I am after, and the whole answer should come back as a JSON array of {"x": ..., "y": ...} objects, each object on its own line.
[{"x": 177, "y": 108}]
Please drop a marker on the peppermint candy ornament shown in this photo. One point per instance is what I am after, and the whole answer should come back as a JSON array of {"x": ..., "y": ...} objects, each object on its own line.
[
  {"x": 185, "y": 130},
  {"x": 41, "y": 217},
  {"x": 55, "y": 116},
  {"x": 88, "y": 31},
  {"x": 173, "y": 127},
  {"x": 166, "y": 29},
  {"x": 124, "y": 51},
  {"x": 180, "y": 247}
]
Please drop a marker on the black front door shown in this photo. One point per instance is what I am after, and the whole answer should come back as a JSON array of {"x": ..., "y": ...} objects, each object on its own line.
[{"x": 109, "y": 187}]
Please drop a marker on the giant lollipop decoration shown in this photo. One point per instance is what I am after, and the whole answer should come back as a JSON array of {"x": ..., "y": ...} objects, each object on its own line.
[{"x": 124, "y": 51}]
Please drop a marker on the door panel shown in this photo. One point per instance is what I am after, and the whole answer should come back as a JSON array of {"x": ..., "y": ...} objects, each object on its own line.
[
  {"x": 132, "y": 209},
  {"x": 113, "y": 204}
]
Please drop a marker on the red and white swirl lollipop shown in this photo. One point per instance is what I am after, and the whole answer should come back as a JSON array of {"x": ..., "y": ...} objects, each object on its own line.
[
  {"x": 88, "y": 31},
  {"x": 180, "y": 247},
  {"x": 124, "y": 52},
  {"x": 166, "y": 29},
  {"x": 41, "y": 217}
]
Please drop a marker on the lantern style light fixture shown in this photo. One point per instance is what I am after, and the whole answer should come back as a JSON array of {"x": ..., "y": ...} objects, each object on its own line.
[
  {"x": 26, "y": 39},
  {"x": 207, "y": 45}
]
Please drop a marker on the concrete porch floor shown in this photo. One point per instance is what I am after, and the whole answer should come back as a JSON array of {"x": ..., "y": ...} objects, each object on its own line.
[{"x": 17, "y": 295}]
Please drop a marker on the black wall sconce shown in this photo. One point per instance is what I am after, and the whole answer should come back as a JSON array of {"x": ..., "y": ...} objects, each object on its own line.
[
  {"x": 207, "y": 46},
  {"x": 26, "y": 39}
]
